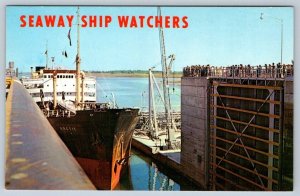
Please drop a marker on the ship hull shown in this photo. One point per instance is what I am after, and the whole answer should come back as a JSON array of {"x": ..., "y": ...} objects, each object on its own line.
[{"x": 100, "y": 141}]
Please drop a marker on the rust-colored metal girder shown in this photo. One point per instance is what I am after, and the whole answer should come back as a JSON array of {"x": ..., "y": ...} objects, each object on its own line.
[
  {"x": 245, "y": 158},
  {"x": 245, "y": 98},
  {"x": 246, "y": 86},
  {"x": 247, "y": 111},
  {"x": 250, "y": 125}
]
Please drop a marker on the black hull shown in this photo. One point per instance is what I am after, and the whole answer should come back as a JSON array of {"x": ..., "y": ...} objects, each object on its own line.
[{"x": 100, "y": 141}]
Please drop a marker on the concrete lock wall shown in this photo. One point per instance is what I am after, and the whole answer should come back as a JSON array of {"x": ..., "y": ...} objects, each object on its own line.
[
  {"x": 288, "y": 128},
  {"x": 194, "y": 128},
  {"x": 194, "y": 133}
]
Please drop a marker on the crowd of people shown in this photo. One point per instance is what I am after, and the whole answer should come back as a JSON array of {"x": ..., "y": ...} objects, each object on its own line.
[{"x": 268, "y": 71}]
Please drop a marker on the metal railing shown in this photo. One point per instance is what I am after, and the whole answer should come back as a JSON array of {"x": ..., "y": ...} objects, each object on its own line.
[
  {"x": 240, "y": 71},
  {"x": 58, "y": 113}
]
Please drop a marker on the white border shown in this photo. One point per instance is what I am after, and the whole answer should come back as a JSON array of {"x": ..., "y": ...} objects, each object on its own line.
[{"x": 3, "y": 3}]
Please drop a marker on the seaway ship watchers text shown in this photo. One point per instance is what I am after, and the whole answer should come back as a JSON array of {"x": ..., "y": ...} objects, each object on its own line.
[{"x": 105, "y": 21}]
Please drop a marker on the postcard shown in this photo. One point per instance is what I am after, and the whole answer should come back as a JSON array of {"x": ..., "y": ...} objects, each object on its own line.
[{"x": 154, "y": 98}]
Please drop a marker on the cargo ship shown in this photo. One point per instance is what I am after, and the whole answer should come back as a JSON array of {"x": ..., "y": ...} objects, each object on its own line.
[
  {"x": 98, "y": 135},
  {"x": 100, "y": 140}
]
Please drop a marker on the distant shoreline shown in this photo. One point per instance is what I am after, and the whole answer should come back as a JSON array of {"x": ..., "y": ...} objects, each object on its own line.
[
  {"x": 118, "y": 74},
  {"x": 129, "y": 75}
]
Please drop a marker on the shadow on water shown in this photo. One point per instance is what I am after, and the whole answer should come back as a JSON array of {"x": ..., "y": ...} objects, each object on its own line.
[{"x": 144, "y": 174}]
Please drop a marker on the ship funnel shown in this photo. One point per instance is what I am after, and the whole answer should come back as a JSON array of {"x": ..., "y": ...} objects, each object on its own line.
[
  {"x": 11, "y": 65},
  {"x": 31, "y": 71}
]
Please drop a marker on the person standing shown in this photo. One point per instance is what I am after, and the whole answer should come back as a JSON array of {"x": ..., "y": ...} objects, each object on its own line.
[{"x": 63, "y": 95}]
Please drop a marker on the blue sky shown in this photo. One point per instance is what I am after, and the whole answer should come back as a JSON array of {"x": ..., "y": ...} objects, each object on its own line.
[{"x": 216, "y": 35}]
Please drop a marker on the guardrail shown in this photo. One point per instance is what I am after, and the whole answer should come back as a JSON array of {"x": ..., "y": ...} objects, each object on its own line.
[
  {"x": 240, "y": 71},
  {"x": 36, "y": 158}
]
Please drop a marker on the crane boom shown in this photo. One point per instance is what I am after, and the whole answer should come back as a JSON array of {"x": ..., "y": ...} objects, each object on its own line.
[{"x": 165, "y": 76}]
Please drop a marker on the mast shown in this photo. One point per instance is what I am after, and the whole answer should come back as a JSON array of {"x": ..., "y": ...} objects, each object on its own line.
[
  {"x": 165, "y": 73},
  {"x": 78, "y": 98},
  {"x": 153, "y": 126},
  {"x": 54, "y": 89},
  {"x": 46, "y": 54}
]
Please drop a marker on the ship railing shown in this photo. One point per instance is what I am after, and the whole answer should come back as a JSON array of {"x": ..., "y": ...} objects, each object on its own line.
[
  {"x": 93, "y": 106},
  {"x": 161, "y": 114},
  {"x": 144, "y": 119},
  {"x": 58, "y": 113}
]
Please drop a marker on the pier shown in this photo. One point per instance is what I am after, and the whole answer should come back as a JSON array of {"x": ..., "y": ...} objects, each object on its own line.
[
  {"x": 236, "y": 128},
  {"x": 36, "y": 158}
]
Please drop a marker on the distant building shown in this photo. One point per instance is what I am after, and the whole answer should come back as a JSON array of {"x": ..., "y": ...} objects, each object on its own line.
[{"x": 10, "y": 71}]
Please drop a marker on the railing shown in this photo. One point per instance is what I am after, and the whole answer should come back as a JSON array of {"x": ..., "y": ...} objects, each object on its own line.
[
  {"x": 93, "y": 105},
  {"x": 65, "y": 113},
  {"x": 240, "y": 71},
  {"x": 58, "y": 113}
]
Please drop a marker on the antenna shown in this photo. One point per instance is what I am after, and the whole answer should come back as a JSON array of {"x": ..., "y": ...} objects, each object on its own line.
[
  {"x": 78, "y": 99},
  {"x": 261, "y": 16},
  {"x": 52, "y": 59},
  {"x": 46, "y": 54}
]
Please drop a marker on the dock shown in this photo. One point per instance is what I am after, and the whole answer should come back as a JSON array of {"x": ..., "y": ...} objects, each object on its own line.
[
  {"x": 236, "y": 129},
  {"x": 168, "y": 159}
]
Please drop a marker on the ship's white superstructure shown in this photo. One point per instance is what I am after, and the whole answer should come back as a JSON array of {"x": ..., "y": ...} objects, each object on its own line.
[{"x": 40, "y": 86}]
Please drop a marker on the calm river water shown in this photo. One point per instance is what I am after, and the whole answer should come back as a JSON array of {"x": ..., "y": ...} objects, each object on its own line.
[
  {"x": 143, "y": 173},
  {"x": 133, "y": 92}
]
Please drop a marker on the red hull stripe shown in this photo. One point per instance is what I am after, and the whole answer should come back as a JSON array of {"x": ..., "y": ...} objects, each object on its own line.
[{"x": 101, "y": 173}]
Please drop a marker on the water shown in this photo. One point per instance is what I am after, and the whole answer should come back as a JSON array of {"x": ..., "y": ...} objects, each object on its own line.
[
  {"x": 133, "y": 92},
  {"x": 144, "y": 174}
]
